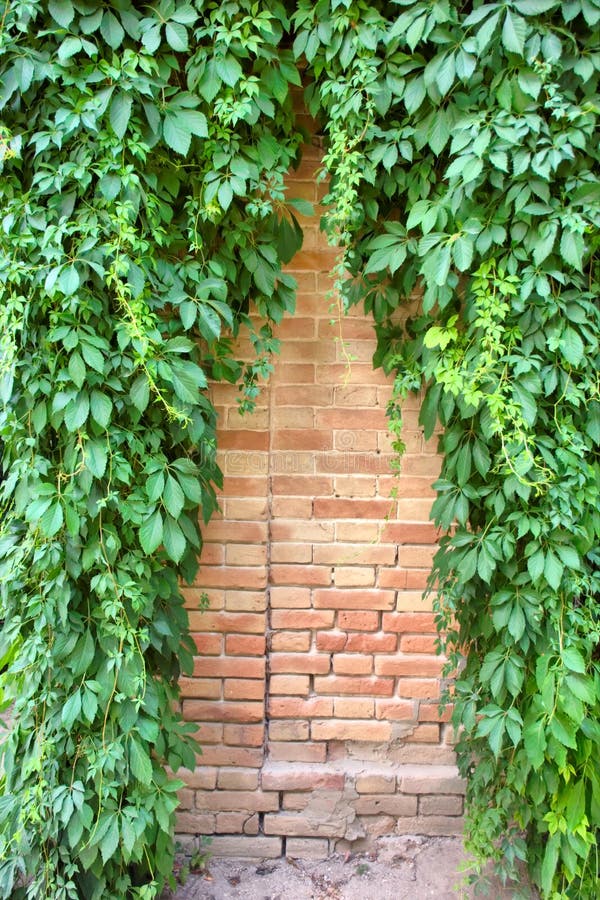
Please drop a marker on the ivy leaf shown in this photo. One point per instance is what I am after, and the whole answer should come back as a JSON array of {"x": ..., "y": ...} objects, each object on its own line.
[
  {"x": 96, "y": 458},
  {"x": 52, "y": 520},
  {"x": 140, "y": 762},
  {"x": 71, "y": 710},
  {"x": 111, "y": 30},
  {"x": 151, "y": 533},
  {"x": 514, "y": 32},
  {"x": 100, "y": 408},
  {"x": 177, "y": 37},
  {"x": 571, "y": 249},
  {"x": 62, "y": 11},
  {"x": 534, "y": 741},
  {"x": 573, "y": 660},
  {"x": 139, "y": 393},
  {"x": 571, "y": 346},
  {"x": 176, "y": 133},
  {"x": 110, "y": 839},
  {"x": 120, "y": 113},
  {"x": 174, "y": 539},
  {"x": 174, "y": 499}
]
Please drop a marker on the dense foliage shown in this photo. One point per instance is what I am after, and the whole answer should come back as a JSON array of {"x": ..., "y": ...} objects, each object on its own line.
[
  {"x": 143, "y": 209},
  {"x": 144, "y": 149},
  {"x": 464, "y": 153}
]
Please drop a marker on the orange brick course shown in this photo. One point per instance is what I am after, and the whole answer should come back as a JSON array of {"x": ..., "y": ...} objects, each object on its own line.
[{"x": 316, "y": 686}]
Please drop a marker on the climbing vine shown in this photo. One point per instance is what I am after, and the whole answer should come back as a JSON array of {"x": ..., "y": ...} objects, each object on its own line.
[
  {"x": 143, "y": 208},
  {"x": 464, "y": 161},
  {"x": 143, "y": 153}
]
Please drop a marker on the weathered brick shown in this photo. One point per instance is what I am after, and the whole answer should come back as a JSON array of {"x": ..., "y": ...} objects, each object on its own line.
[
  {"x": 301, "y": 619},
  {"x": 242, "y": 801},
  {"x": 347, "y": 730},
  {"x": 371, "y": 643},
  {"x": 292, "y": 641},
  {"x": 290, "y": 597},
  {"x": 243, "y": 689},
  {"x": 201, "y": 711},
  {"x": 307, "y": 848},
  {"x": 354, "y": 707},
  {"x": 295, "y": 708},
  {"x": 386, "y": 804},
  {"x": 332, "y": 641},
  {"x": 295, "y": 752},
  {"x": 289, "y": 731},
  {"x": 354, "y": 576},
  {"x": 237, "y": 779},
  {"x": 444, "y": 805},
  {"x": 236, "y": 823},
  {"x": 396, "y": 710},
  {"x": 298, "y": 825},
  {"x": 431, "y": 780},
  {"x": 296, "y": 663},
  {"x": 244, "y": 735},
  {"x": 375, "y": 784},
  {"x": 244, "y": 645},
  {"x": 353, "y": 598},
  {"x": 230, "y": 667},
  {"x": 245, "y": 847},
  {"x": 358, "y": 621},
  {"x": 300, "y": 778},
  {"x": 417, "y": 665}
]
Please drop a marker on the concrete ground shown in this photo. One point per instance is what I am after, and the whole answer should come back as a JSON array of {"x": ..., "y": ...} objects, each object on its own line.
[{"x": 398, "y": 868}]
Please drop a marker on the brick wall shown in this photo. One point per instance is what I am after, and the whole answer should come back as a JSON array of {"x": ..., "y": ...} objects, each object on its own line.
[{"x": 316, "y": 684}]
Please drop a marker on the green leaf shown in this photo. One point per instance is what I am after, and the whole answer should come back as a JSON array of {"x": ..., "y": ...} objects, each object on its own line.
[
  {"x": 550, "y": 863},
  {"x": 96, "y": 458},
  {"x": 151, "y": 533},
  {"x": 77, "y": 369},
  {"x": 534, "y": 740},
  {"x": 553, "y": 570},
  {"x": 71, "y": 710},
  {"x": 140, "y": 762},
  {"x": 571, "y": 249},
  {"x": 177, "y": 37},
  {"x": 174, "y": 499},
  {"x": 573, "y": 660},
  {"x": 120, "y": 113},
  {"x": 176, "y": 133},
  {"x": 571, "y": 346},
  {"x": 174, "y": 539},
  {"x": 62, "y": 12},
  {"x": 196, "y": 122},
  {"x": 514, "y": 32},
  {"x": 110, "y": 840},
  {"x": 100, "y": 408},
  {"x": 68, "y": 280},
  {"x": 111, "y": 30},
  {"x": 52, "y": 520},
  {"x": 139, "y": 393}
]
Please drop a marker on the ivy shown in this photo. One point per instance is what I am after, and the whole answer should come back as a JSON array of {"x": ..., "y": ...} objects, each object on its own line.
[
  {"x": 464, "y": 164},
  {"x": 143, "y": 208}
]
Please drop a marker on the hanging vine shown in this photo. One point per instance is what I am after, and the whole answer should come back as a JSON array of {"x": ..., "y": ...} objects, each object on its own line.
[
  {"x": 464, "y": 163},
  {"x": 143, "y": 207},
  {"x": 143, "y": 154}
]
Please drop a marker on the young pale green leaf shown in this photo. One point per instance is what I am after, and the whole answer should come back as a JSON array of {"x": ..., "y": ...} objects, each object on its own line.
[{"x": 514, "y": 32}]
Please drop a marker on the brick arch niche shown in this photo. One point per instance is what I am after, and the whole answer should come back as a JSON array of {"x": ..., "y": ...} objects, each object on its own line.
[{"x": 316, "y": 684}]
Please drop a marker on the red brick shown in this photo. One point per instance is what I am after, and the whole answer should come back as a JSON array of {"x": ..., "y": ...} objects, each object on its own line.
[
  {"x": 249, "y": 577},
  {"x": 299, "y": 663},
  {"x": 303, "y": 439},
  {"x": 228, "y": 623},
  {"x": 409, "y": 665},
  {"x": 371, "y": 643},
  {"x": 410, "y": 533},
  {"x": 224, "y": 667},
  {"x": 291, "y": 553},
  {"x": 246, "y": 554},
  {"x": 208, "y": 644},
  {"x": 347, "y": 730},
  {"x": 351, "y": 708},
  {"x": 290, "y": 684},
  {"x": 244, "y": 735},
  {"x": 301, "y": 778},
  {"x": 212, "y": 555},
  {"x": 397, "y": 710},
  {"x": 245, "y": 601},
  {"x": 335, "y": 508},
  {"x": 354, "y": 553},
  {"x": 244, "y": 645},
  {"x": 237, "y": 779},
  {"x": 429, "y": 712},
  {"x": 290, "y": 597},
  {"x": 301, "y": 394},
  {"x": 417, "y": 579},
  {"x": 291, "y": 507},
  {"x": 284, "y": 730},
  {"x": 243, "y": 689},
  {"x": 300, "y": 575},
  {"x": 251, "y": 485},
  {"x": 210, "y": 733},
  {"x": 392, "y": 578},
  {"x": 358, "y": 621},
  {"x": 245, "y": 532},
  {"x": 297, "y": 531},
  {"x": 301, "y": 485},
  {"x": 207, "y": 688},
  {"x": 427, "y": 688},
  {"x": 354, "y": 576},
  {"x": 248, "y": 508},
  {"x": 418, "y": 643},
  {"x": 231, "y": 756},
  {"x": 244, "y": 440},
  {"x": 419, "y": 623},
  {"x": 351, "y": 598},
  {"x": 352, "y": 664},
  {"x": 301, "y": 619},
  {"x": 288, "y": 751},
  {"x": 237, "y": 800},
  {"x": 295, "y": 708},
  {"x": 291, "y": 641},
  {"x": 338, "y": 684},
  {"x": 424, "y": 734},
  {"x": 331, "y": 640},
  {"x": 201, "y": 711}
]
